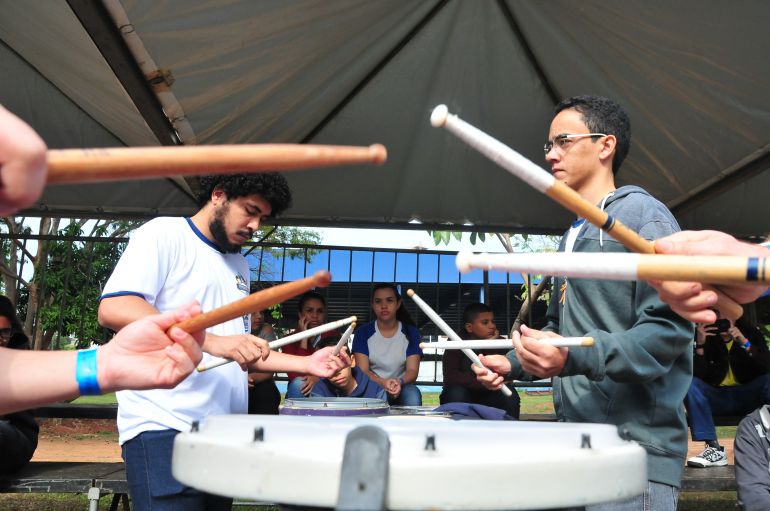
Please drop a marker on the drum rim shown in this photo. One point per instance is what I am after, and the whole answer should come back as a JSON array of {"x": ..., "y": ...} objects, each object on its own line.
[{"x": 339, "y": 403}]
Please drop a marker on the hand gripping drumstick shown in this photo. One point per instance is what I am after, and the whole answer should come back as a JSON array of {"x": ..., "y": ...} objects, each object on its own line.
[
  {"x": 624, "y": 266},
  {"x": 127, "y": 163},
  {"x": 344, "y": 339},
  {"x": 496, "y": 344},
  {"x": 544, "y": 182},
  {"x": 289, "y": 339},
  {"x": 254, "y": 302},
  {"x": 433, "y": 315}
]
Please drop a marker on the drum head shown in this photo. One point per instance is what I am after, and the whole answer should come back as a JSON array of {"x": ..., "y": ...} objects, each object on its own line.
[
  {"x": 433, "y": 464},
  {"x": 334, "y": 406}
]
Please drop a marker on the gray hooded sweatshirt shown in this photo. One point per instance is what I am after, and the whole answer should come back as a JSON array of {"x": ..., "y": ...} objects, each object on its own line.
[{"x": 637, "y": 374}]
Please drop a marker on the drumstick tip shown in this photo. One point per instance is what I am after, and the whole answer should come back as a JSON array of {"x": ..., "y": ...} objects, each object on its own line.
[
  {"x": 410, "y": 293},
  {"x": 354, "y": 321},
  {"x": 379, "y": 153},
  {"x": 462, "y": 262},
  {"x": 322, "y": 278},
  {"x": 439, "y": 116}
]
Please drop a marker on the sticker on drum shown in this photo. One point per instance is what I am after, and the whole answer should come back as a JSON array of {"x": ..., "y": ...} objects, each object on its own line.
[
  {"x": 418, "y": 411},
  {"x": 433, "y": 464},
  {"x": 334, "y": 406}
]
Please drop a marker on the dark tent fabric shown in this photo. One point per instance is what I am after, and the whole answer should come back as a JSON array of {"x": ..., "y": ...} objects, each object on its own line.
[{"x": 693, "y": 76}]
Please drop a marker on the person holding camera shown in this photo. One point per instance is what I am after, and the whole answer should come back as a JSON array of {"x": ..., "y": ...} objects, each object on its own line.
[{"x": 731, "y": 376}]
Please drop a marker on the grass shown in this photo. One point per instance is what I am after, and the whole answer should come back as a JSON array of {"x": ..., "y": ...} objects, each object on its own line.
[
  {"x": 537, "y": 403},
  {"x": 104, "y": 399}
]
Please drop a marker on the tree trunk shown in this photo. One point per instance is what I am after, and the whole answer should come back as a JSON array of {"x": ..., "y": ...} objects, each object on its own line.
[
  {"x": 524, "y": 311},
  {"x": 47, "y": 226}
]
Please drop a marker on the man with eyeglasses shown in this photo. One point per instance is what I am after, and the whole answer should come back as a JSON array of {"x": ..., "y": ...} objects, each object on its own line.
[{"x": 637, "y": 374}]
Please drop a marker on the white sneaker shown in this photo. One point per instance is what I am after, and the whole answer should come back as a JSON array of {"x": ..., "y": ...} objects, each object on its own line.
[{"x": 711, "y": 457}]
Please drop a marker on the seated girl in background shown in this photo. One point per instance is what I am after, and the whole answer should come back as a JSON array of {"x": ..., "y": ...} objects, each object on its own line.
[
  {"x": 311, "y": 312},
  {"x": 388, "y": 348}
]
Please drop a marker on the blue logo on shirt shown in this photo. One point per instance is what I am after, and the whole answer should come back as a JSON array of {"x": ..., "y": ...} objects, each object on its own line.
[{"x": 241, "y": 283}]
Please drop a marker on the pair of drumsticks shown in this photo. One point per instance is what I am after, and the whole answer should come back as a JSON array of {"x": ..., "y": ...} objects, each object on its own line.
[
  {"x": 711, "y": 269},
  {"x": 262, "y": 300}
]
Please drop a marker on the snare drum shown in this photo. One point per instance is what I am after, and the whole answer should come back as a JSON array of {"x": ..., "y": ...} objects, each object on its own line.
[
  {"x": 433, "y": 464},
  {"x": 334, "y": 406}
]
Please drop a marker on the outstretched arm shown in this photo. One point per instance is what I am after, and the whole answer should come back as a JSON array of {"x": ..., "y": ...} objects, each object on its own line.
[
  {"x": 689, "y": 299},
  {"x": 141, "y": 356}
]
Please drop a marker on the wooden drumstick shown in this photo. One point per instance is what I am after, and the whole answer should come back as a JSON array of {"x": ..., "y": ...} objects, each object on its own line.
[
  {"x": 254, "y": 302},
  {"x": 497, "y": 344},
  {"x": 128, "y": 163},
  {"x": 289, "y": 339},
  {"x": 625, "y": 266},
  {"x": 546, "y": 183},
  {"x": 433, "y": 315},
  {"x": 344, "y": 339}
]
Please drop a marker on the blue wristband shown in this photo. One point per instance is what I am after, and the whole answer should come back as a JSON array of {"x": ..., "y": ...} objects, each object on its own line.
[
  {"x": 746, "y": 346},
  {"x": 85, "y": 373},
  {"x": 401, "y": 381}
]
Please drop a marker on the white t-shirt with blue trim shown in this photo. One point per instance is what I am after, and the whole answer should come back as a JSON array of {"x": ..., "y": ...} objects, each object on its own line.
[
  {"x": 169, "y": 263},
  {"x": 387, "y": 355}
]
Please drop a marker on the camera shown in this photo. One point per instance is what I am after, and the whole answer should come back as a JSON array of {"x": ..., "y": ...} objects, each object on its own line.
[{"x": 723, "y": 325}]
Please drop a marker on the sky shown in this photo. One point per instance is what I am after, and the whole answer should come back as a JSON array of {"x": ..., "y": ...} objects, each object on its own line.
[{"x": 388, "y": 238}]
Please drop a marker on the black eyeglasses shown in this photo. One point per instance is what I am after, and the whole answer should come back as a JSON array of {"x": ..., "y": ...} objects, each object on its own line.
[{"x": 562, "y": 142}]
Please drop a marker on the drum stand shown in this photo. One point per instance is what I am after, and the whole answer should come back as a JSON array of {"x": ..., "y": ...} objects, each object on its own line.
[{"x": 364, "y": 474}]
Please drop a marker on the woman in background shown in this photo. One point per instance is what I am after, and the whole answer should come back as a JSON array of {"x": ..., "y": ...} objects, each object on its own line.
[{"x": 388, "y": 348}]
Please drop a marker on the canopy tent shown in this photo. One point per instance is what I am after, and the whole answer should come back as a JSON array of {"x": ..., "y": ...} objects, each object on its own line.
[{"x": 693, "y": 76}]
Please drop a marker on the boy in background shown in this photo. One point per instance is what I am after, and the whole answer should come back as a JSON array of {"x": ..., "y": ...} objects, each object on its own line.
[
  {"x": 349, "y": 382},
  {"x": 460, "y": 383}
]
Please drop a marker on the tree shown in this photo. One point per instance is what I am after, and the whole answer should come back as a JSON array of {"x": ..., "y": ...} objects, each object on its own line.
[
  {"x": 68, "y": 271},
  {"x": 57, "y": 279}
]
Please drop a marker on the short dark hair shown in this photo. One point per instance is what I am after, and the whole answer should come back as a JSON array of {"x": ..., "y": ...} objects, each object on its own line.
[
  {"x": 472, "y": 311},
  {"x": 272, "y": 186},
  {"x": 310, "y": 295},
  {"x": 19, "y": 339},
  {"x": 603, "y": 115}
]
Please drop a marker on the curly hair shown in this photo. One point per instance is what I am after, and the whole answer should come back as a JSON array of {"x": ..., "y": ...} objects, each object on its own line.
[
  {"x": 603, "y": 115},
  {"x": 272, "y": 186}
]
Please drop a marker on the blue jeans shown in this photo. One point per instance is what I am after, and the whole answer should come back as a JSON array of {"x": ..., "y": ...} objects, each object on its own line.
[
  {"x": 704, "y": 401},
  {"x": 150, "y": 483},
  {"x": 293, "y": 388},
  {"x": 410, "y": 396},
  {"x": 657, "y": 497}
]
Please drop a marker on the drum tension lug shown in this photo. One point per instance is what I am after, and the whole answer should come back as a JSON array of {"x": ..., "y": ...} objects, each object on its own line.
[
  {"x": 585, "y": 441},
  {"x": 259, "y": 434},
  {"x": 194, "y": 427},
  {"x": 430, "y": 443}
]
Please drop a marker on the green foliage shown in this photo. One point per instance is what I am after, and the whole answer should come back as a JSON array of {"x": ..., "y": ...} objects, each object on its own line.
[
  {"x": 445, "y": 237},
  {"x": 289, "y": 236},
  {"x": 72, "y": 280}
]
